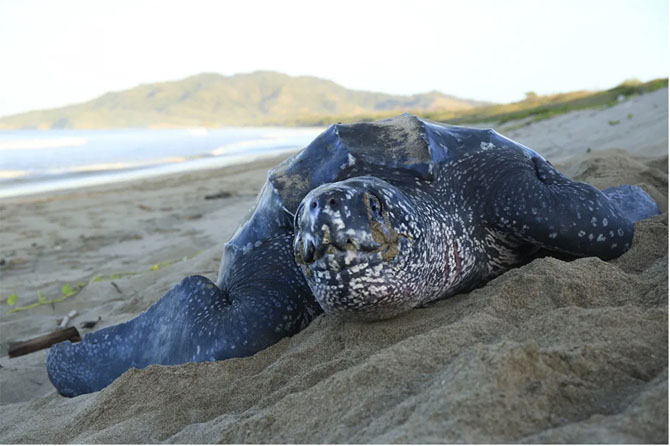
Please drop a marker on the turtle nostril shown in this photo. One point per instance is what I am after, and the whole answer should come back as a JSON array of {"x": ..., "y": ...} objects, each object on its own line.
[
  {"x": 332, "y": 202},
  {"x": 313, "y": 204}
]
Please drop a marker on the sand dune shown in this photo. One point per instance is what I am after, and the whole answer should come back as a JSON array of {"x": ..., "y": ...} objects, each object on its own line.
[{"x": 554, "y": 351}]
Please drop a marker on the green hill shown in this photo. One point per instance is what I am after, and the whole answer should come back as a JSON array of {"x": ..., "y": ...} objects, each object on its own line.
[
  {"x": 533, "y": 108},
  {"x": 213, "y": 100}
]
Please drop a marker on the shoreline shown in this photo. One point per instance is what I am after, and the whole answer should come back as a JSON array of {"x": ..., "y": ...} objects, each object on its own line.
[
  {"x": 33, "y": 163},
  {"x": 82, "y": 181}
]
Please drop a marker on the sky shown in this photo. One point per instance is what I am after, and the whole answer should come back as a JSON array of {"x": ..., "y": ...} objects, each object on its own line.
[{"x": 54, "y": 53}]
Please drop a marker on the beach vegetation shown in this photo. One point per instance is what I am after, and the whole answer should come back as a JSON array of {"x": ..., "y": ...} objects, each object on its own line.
[
  {"x": 68, "y": 290},
  {"x": 160, "y": 265},
  {"x": 113, "y": 276},
  {"x": 531, "y": 96},
  {"x": 631, "y": 82}
]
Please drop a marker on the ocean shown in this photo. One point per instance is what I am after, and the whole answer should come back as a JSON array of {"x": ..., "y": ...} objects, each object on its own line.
[{"x": 33, "y": 161}]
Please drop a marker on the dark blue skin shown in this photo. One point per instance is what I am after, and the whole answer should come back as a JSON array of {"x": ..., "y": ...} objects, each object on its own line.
[{"x": 262, "y": 294}]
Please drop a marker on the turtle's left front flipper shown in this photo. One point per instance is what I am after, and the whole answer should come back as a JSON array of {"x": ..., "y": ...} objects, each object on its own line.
[
  {"x": 263, "y": 298},
  {"x": 187, "y": 324},
  {"x": 543, "y": 207}
]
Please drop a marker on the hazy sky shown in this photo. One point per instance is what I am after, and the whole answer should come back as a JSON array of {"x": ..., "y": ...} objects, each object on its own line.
[{"x": 58, "y": 52}]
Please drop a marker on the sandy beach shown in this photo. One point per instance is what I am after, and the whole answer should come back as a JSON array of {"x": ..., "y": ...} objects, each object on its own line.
[{"x": 553, "y": 351}]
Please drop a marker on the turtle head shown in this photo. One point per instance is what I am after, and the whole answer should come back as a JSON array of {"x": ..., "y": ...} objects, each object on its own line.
[{"x": 353, "y": 240}]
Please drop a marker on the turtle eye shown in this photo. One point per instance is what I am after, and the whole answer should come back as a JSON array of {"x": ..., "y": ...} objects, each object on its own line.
[{"x": 374, "y": 205}]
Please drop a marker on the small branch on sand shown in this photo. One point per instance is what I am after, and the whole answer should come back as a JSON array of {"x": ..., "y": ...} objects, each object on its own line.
[
  {"x": 116, "y": 287},
  {"x": 222, "y": 194},
  {"x": 41, "y": 342}
]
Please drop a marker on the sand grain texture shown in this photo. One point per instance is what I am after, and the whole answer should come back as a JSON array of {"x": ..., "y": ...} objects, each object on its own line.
[{"x": 554, "y": 351}]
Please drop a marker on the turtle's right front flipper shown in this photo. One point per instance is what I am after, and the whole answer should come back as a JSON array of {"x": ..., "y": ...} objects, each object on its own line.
[{"x": 195, "y": 321}]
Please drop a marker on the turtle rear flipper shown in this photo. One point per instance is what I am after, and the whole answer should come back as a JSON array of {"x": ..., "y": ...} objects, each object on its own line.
[{"x": 545, "y": 208}]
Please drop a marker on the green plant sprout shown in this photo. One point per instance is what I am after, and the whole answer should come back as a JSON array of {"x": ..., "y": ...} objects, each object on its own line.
[{"x": 68, "y": 290}]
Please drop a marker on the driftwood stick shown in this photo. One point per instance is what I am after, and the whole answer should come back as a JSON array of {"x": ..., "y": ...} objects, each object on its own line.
[{"x": 41, "y": 342}]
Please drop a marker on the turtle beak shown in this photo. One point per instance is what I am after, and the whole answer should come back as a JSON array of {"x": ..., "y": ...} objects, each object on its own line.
[{"x": 304, "y": 248}]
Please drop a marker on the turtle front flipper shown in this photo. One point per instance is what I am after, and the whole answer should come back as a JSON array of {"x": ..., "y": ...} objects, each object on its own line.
[
  {"x": 541, "y": 206},
  {"x": 634, "y": 202},
  {"x": 195, "y": 321}
]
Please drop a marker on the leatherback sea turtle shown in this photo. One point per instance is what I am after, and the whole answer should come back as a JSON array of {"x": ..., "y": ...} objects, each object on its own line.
[{"x": 369, "y": 221}]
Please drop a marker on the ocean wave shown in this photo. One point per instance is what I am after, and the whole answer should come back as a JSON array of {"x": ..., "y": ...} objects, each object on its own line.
[
  {"x": 119, "y": 165},
  {"x": 74, "y": 181},
  {"x": 9, "y": 174},
  {"x": 42, "y": 143},
  {"x": 197, "y": 132},
  {"x": 235, "y": 146}
]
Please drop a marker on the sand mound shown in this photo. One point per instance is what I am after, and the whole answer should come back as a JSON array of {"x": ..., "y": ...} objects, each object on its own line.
[{"x": 554, "y": 351}]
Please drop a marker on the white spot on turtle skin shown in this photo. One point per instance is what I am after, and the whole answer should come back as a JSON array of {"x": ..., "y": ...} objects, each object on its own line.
[
  {"x": 605, "y": 222},
  {"x": 581, "y": 234},
  {"x": 620, "y": 232},
  {"x": 590, "y": 236},
  {"x": 553, "y": 235},
  {"x": 594, "y": 221},
  {"x": 351, "y": 160},
  {"x": 601, "y": 238}
]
